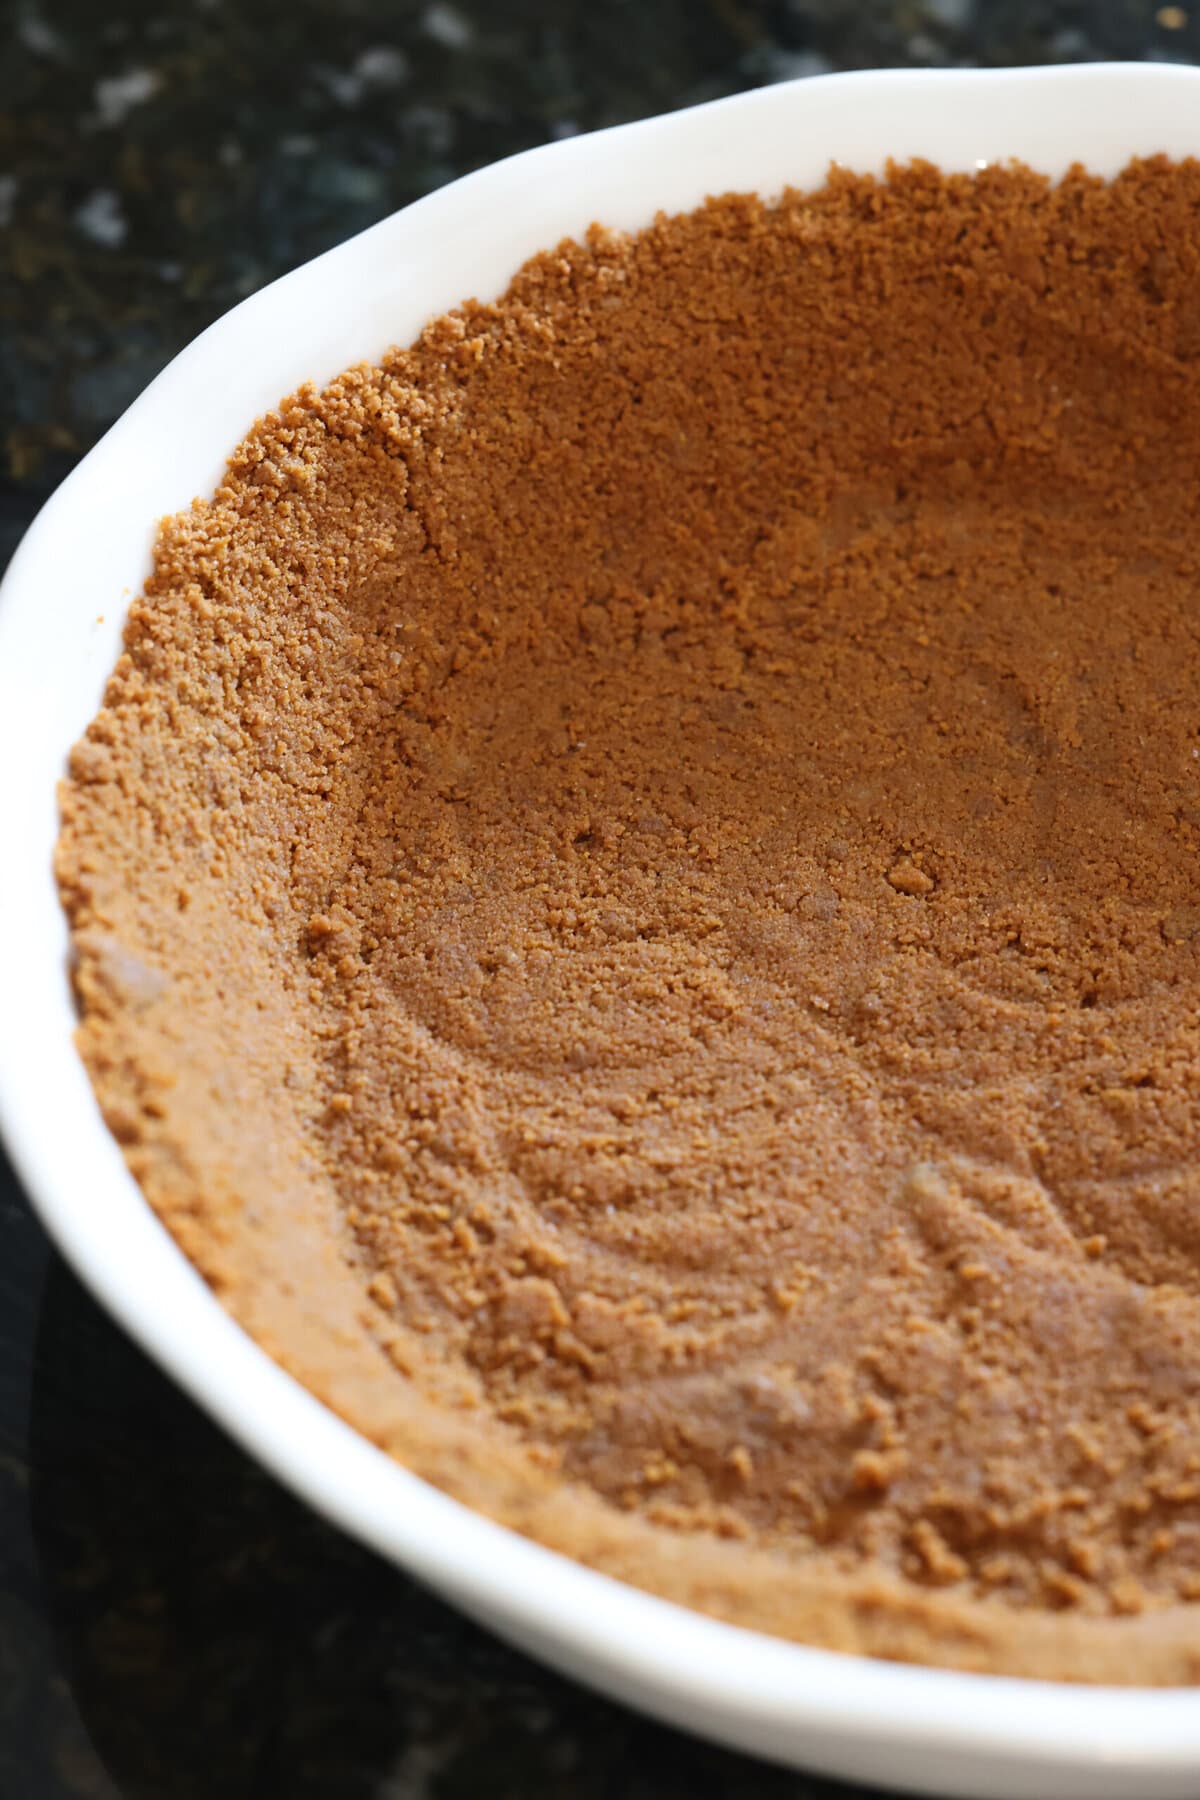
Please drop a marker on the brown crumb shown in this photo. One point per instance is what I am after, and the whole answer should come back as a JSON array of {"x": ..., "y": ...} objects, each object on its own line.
[{"x": 907, "y": 878}]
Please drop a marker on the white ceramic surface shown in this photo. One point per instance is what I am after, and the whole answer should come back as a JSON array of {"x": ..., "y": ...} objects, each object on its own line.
[{"x": 60, "y": 618}]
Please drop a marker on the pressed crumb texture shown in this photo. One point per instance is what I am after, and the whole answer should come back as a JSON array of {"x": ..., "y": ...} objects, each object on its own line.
[{"x": 635, "y": 907}]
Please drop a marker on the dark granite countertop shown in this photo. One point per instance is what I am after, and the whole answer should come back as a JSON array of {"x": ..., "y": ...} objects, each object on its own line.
[{"x": 173, "y": 1626}]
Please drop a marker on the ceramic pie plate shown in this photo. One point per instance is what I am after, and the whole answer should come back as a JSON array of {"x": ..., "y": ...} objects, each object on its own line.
[{"x": 61, "y": 610}]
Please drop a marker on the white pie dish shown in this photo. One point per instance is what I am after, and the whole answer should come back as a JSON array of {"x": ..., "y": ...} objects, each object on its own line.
[{"x": 61, "y": 610}]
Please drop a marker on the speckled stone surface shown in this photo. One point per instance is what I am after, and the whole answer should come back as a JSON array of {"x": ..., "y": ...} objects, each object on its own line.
[{"x": 172, "y": 1625}]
